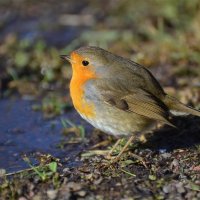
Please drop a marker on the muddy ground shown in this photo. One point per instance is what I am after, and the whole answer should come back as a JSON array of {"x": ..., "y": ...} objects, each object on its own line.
[{"x": 46, "y": 150}]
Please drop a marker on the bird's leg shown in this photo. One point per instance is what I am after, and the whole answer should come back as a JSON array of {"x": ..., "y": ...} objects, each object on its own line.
[
  {"x": 113, "y": 148},
  {"x": 123, "y": 150}
]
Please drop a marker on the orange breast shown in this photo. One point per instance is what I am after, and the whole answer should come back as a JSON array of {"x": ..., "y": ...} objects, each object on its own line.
[{"x": 80, "y": 76}]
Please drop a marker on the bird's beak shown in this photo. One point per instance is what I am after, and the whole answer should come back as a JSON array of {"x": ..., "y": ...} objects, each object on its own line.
[{"x": 66, "y": 57}]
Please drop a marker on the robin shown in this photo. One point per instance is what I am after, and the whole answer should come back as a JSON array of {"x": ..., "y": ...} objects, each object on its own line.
[{"x": 119, "y": 96}]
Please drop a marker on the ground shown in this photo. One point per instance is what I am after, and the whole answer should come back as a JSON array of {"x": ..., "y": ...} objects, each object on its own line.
[{"x": 47, "y": 151}]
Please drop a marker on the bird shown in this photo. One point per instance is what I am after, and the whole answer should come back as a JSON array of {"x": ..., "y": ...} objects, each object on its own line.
[{"x": 119, "y": 96}]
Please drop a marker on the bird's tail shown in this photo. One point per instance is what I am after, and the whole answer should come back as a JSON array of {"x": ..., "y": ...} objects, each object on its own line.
[{"x": 178, "y": 108}]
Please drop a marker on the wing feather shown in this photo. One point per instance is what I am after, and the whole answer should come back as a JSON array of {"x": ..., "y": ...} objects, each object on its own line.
[{"x": 140, "y": 102}]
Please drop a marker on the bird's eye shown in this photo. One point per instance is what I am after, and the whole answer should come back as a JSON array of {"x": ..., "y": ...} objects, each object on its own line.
[{"x": 85, "y": 63}]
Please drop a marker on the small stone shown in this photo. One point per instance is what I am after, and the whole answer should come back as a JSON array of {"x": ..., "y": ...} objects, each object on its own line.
[
  {"x": 22, "y": 198},
  {"x": 37, "y": 197},
  {"x": 64, "y": 192},
  {"x": 81, "y": 193},
  {"x": 52, "y": 194},
  {"x": 66, "y": 170},
  {"x": 180, "y": 188},
  {"x": 190, "y": 195},
  {"x": 74, "y": 186},
  {"x": 118, "y": 184},
  {"x": 162, "y": 151},
  {"x": 2, "y": 172},
  {"x": 166, "y": 155},
  {"x": 167, "y": 189},
  {"x": 196, "y": 168},
  {"x": 174, "y": 164},
  {"x": 98, "y": 181}
]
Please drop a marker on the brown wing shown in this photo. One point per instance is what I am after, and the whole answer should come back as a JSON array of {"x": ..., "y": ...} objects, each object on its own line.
[{"x": 140, "y": 102}]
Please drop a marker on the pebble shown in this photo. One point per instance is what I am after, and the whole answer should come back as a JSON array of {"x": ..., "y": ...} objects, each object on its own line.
[
  {"x": 2, "y": 172},
  {"x": 167, "y": 189},
  {"x": 180, "y": 188},
  {"x": 22, "y": 198},
  {"x": 98, "y": 181},
  {"x": 198, "y": 195},
  {"x": 189, "y": 195},
  {"x": 174, "y": 164},
  {"x": 66, "y": 170},
  {"x": 166, "y": 155},
  {"x": 37, "y": 197},
  {"x": 81, "y": 193},
  {"x": 52, "y": 194},
  {"x": 162, "y": 151},
  {"x": 74, "y": 186}
]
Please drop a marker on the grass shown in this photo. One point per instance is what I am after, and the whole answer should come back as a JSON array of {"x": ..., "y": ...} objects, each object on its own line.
[
  {"x": 69, "y": 126},
  {"x": 129, "y": 173},
  {"x": 44, "y": 172}
]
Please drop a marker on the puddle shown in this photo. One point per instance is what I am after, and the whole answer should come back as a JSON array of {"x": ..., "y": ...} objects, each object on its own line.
[{"x": 24, "y": 131}]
